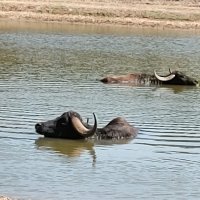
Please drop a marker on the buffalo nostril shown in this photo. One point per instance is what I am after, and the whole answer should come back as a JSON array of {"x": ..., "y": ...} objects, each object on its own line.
[{"x": 38, "y": 126}]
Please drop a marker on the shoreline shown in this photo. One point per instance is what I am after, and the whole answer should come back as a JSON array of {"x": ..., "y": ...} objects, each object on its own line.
[
  {"x": 144, "y": 13},
  {"x": 4, "y": 198}
]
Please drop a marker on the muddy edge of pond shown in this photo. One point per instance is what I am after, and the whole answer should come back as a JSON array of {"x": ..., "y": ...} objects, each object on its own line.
[
  {"x": 145, "y": 13},
  {"x": 4, "y": 198}
]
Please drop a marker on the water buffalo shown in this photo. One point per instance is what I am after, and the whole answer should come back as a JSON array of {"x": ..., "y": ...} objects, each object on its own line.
[
  {"x": 71, "y": 126},
  {"x": 173, "y": 78}
]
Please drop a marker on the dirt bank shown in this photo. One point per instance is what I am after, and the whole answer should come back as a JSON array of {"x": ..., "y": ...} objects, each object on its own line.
[
  {"x": 4, "y": 198},
  {"x": 151, "y": 13}
]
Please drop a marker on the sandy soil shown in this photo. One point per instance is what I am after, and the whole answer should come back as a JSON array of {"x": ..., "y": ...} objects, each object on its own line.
[
  {"x": 4, "y": 198},
  {"x": 150, "y": 13}
]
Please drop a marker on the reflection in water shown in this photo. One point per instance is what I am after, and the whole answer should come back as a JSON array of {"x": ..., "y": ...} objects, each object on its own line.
[
  {"x": 176, "y": 89},
  {"x": 70, "y": 148},
  {"x": 74, "y": 148},
  {"x": 10, "y": 26},
  {"x": 8, "y": 62}
]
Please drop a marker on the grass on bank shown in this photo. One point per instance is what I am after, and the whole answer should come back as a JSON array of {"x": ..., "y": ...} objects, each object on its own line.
[{"x": 103, "y": 11}]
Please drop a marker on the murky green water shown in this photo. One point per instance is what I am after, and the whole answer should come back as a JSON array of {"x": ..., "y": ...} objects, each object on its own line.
[{"x": 48, "y": 69}]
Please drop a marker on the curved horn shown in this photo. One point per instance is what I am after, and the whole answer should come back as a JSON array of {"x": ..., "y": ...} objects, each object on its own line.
[
  {"x": 81, "y": 129},
  {"x": 164, "y": 78}
]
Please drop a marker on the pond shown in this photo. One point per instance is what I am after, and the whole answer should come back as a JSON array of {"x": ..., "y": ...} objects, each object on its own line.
[{"x": 48, "y": 69}]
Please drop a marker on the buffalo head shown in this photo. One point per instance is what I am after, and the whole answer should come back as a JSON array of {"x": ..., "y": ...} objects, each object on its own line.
[
  {"x": 176, "y": 78},
  {"x": 69, "y": 125}
]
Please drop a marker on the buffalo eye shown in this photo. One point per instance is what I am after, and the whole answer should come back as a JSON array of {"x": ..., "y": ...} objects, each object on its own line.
[{"x": 61, "y": 122}]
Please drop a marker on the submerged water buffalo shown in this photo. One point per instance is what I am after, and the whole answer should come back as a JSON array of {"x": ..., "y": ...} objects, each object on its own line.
[
  {"x": 71, "y": 126},
  {"x": 173, "y": 78}
]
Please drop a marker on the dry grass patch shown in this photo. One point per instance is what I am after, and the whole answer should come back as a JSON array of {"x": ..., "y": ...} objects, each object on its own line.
[{"x": 128, "y": 12}]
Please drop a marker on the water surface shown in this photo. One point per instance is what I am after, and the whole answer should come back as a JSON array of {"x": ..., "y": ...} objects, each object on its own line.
[{"x": 49, "y": 69}]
